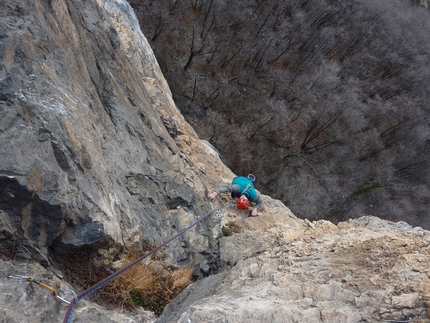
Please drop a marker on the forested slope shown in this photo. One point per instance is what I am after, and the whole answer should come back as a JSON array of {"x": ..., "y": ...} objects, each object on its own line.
[{"x": 326, "y": 102}]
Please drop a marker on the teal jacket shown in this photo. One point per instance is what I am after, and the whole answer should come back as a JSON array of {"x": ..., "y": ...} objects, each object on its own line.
[
  {"x": 239, "y": 186},
  {"x": 246, "y": 187}
]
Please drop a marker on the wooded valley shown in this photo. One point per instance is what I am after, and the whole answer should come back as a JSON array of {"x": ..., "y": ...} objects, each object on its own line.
[{"x": 327, "y": 102}]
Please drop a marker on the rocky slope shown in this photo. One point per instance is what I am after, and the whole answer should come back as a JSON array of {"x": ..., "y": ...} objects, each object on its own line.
[
  {"x": 364, "y": 270},
  {"x": 95, "y": 156}
]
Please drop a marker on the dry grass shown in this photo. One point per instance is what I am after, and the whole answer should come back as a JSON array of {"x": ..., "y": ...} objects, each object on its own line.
[
  {"x": 14, "y": 251},
  {"x": 234, "y": 226},
  {"x": 150, "y": 284}
]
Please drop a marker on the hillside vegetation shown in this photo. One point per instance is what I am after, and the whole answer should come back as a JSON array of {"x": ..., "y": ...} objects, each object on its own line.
[{"x": 326, "y": 102}]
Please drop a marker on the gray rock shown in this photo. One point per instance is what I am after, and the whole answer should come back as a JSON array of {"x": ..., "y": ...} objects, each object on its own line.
[
  {"x": 91, "y": 139},
  {"x": 23, "y": 301}
]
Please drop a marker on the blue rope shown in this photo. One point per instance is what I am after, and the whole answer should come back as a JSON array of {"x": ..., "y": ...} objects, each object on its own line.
[{"x": 97, "y": 286}]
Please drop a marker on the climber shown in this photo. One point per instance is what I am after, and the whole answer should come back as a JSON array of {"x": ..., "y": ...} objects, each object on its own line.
[{"x": 241, "y": 188}]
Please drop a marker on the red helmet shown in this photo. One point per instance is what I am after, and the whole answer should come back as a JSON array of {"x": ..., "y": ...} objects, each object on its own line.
[{"x": 242, "y": 203}]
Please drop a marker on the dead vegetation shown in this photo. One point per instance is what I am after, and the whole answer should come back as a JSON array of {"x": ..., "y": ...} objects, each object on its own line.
[
  {"x": 234, "y": 226},
  {"x": 12, "y": 250},
  {"x": 150, "y": 284}
]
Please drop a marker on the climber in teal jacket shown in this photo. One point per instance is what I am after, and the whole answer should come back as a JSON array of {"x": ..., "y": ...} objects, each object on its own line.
[{"x": 243, "y": 189}]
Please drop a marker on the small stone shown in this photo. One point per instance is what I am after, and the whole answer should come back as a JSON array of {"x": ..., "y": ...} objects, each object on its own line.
[{"x": 405, "y": 300}]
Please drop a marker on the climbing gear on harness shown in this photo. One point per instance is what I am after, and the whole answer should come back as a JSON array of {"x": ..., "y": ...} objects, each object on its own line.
[
  {"x": 251, "y": 177},
  {"x": 242, "y": 203},
  {"x": 40, "y": 283},
  {"x": 92, "y": 289}
]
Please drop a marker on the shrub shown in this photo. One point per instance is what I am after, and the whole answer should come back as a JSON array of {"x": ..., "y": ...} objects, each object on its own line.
[{"x": 226, "y": 231}]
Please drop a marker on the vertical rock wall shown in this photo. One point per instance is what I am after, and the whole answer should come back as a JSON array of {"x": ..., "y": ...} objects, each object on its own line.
[{"x": 93, "y": 149}]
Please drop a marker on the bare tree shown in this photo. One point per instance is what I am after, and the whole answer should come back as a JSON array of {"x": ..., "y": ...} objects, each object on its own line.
[
  {"x": 277, "y": 75},
  {"x": 193, "y": 52}
]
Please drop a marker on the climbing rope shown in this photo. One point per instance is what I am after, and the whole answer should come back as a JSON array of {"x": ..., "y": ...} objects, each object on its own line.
[
  {"x": 40, "y": 283},
  {"x": 97, "y": 286}
]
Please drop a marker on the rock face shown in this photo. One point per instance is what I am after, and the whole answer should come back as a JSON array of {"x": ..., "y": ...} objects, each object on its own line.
[
  {"x": 96, "y": 155},
  {"x": 23, "y": 301},
  {"x": 291, "y": 270},
  {"x": 94, "y": 151}
]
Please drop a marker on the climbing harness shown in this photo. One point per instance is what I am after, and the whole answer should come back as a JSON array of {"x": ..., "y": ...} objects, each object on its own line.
[
  {"x": 40, "y": 283},
  {"x": 97, "y": 286}
]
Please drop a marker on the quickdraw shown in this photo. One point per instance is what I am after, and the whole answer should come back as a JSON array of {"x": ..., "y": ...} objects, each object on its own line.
[{"x": 52, "y": 289}]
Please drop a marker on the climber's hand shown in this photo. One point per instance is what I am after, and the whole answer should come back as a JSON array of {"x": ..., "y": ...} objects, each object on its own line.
[{"x": 212, "y": 196}]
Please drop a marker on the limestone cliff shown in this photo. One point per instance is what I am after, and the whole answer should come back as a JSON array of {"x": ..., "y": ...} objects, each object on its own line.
[
  {"x": 95, "y": 155},
  {"x": 94, "y": 150}
]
